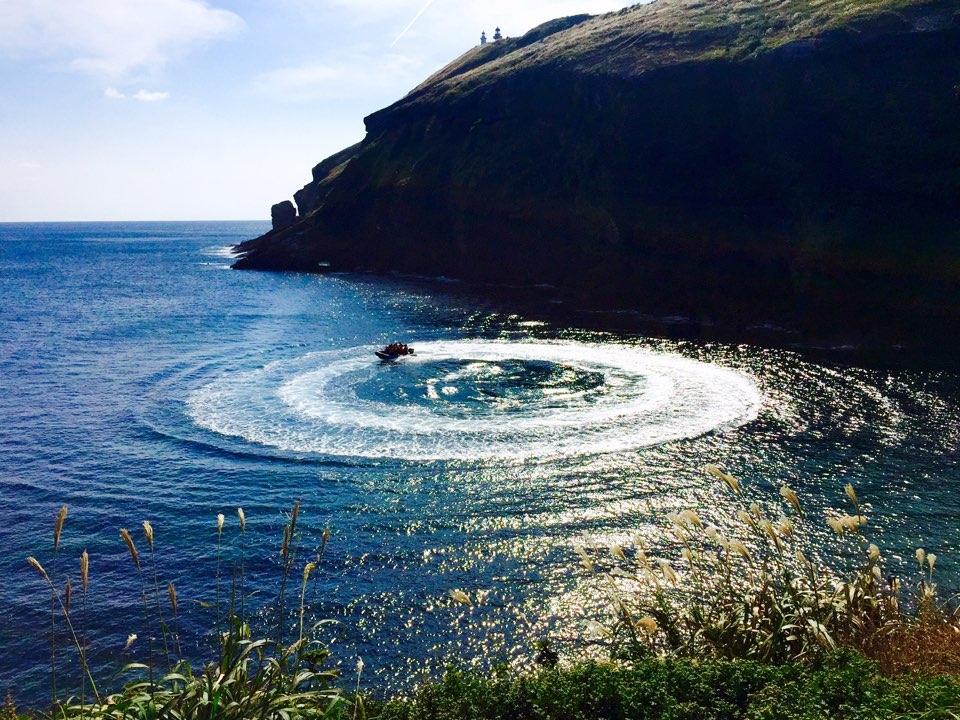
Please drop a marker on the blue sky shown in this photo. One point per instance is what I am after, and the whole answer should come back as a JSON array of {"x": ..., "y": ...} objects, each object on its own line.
[{"x": 185, "y": 109}]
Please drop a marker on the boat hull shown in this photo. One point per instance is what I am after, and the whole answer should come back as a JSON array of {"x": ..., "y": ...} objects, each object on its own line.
[{"x": 383, "y": 355}]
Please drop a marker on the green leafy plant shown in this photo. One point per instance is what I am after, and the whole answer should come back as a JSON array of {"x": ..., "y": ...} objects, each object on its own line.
[{"x": 251, "y": 679}]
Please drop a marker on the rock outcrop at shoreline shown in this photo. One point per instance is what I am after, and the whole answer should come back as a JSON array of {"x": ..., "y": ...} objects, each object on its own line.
[
  {"x": 283, "y": 215},
  {"x": 736, "y": 162}
]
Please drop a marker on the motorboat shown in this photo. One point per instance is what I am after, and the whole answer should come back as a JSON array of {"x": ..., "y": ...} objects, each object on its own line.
[{"x": 394, "y": 351}]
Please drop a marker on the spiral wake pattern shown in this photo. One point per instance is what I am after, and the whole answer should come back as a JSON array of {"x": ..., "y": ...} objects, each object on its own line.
[{"x": 476, "y": 400}]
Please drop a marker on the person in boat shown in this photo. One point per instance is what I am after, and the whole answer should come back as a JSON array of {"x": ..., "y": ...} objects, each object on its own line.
[{"x": 398, "y": 349}]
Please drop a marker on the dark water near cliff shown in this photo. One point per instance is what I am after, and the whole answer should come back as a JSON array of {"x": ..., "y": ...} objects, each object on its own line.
[{"x": 140, "y": 379}]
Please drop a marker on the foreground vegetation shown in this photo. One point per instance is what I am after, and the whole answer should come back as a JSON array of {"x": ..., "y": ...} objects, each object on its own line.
[
  {"x": 748, "y": 626},
  {"x": 761, "y": 591},
  {"x": 839, "y": 685}
]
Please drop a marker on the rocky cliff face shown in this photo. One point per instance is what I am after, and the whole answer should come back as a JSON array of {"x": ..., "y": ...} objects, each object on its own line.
[{"x": 741, "y": 162}]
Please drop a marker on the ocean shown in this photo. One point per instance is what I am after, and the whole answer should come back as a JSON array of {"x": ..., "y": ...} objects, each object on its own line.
[{"x": 141, "y": 379}]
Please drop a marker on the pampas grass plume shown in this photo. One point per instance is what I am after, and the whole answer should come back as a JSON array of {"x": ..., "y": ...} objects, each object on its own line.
[
  {"x": 58, "y": 526},
  {"x": 134, "y": 555},
  {"x": 84, "y": 570},
  {"x": 35, "y": 564}
]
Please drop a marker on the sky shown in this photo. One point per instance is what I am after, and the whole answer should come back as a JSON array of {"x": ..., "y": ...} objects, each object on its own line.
[{"x": 210, "y": 109}]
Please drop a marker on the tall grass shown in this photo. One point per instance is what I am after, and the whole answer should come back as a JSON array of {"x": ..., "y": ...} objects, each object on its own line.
[
  {"x": 288, "y": 552},
  {"x": 57, "y": 533},
  {"x": 58, "y": 599},
  {"x": 761, "y": 592},
  {"x": 251, "y": 678},
  {"x": 242, "y": 518},
  {"x": 221, "y": 519},
  {"x": 755, "y": 592}
]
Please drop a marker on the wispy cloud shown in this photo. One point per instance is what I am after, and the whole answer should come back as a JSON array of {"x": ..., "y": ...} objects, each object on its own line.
[
  {"x": 350, "y": 75},
  {"x": 413, "y": 22},
  {"x": 298, "y": 77},
  {"x": 150, "y": 96},
  {"x": 455, "y": 19},
  {"x": 110, "y": 38}
]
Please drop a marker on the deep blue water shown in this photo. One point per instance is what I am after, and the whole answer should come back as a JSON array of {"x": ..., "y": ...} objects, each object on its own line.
[{"x": 142, "y": 379}]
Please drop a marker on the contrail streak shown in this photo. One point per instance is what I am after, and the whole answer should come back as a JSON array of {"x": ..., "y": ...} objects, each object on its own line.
[{"x": 413, "y": 22}]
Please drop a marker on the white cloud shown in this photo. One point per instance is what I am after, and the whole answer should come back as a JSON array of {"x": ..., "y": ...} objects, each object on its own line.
[
  {"x": 110, "y": 38},
  {"x": 150, "y": 96}
]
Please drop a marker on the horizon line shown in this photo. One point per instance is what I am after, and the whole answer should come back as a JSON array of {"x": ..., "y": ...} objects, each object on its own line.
[{"x": 78, "y": 222}]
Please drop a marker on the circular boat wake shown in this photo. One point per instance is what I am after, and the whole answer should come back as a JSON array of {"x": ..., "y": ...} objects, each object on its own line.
[{"x": 476, "y": 400}]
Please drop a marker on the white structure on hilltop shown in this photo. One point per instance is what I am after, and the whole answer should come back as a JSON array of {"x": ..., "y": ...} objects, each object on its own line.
[{"x": 483, "y": 38}]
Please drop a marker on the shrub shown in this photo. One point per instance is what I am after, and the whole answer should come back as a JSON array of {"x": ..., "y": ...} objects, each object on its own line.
[
  {"x": 764, "y": 595},
  {"x": 252, "y": 679},
  {"x": 838, "y": 685}
]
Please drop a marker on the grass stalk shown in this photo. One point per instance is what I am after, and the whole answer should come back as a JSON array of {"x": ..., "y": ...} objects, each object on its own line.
[
  {"x": 84, "y": 586},
  {"x": 172, "y": 596},
  {"x": 135, "y": 556},
  {"x": 57, "y": 533},
  {"x": 148, "y": 534},
  {"x": 307, "y": 569},
  {"x": 321, "y": 551},
  {"x": 76, "y": 640},
  {"x": 220, "y": 522},
  {"x": 242, "y": 517},
  {"x": 287, "y": 554},
  {"x": 358, "y": 699}
]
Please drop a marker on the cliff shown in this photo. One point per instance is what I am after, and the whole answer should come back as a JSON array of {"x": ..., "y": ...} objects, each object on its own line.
[{"x": 738, "y": 162}]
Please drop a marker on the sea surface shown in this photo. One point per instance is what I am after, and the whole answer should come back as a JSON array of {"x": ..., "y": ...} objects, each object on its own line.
[{"x": 141, "y": 379}]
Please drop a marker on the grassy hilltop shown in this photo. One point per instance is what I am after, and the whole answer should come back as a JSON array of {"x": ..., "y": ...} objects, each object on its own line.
[{"x": 738, "y": 162}]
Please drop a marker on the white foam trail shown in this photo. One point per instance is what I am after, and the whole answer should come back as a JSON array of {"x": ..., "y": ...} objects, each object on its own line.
[
  {"x": 221, "y": 251},
  {"x": 635, "y": 398}
]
